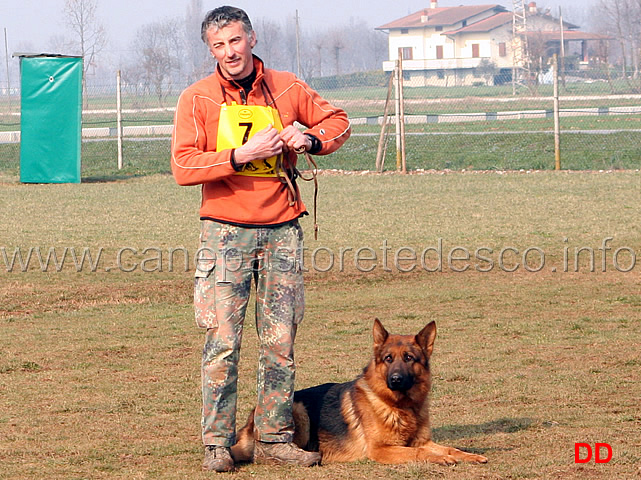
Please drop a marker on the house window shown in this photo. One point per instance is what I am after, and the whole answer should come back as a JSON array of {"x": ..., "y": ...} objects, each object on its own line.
[
  {"x": 476, "y": 53},
  {"x": 439, "y": 29},
  {"x": 405, "y": 31},
  {"x": 439, "y": 51},
  {"x": 502, "y": 49},
  {"x": 407, "y": 53}
]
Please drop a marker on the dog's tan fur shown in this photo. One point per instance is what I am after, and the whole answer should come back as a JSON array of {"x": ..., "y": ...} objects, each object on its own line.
[{"x": 375, "y": 421}]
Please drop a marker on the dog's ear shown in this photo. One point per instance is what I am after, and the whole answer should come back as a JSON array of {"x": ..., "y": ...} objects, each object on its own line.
[
  {"x": 380, "y": 334},
  {"x": 425, "y": 338}
]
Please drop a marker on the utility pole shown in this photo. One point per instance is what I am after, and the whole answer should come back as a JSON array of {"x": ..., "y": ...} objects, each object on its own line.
[
  {"x": 6, "y": 56},
  {"x": 297, "y": 46},
  {"x": 520, "y": 51},
  {"x": 562, "y": 67}
]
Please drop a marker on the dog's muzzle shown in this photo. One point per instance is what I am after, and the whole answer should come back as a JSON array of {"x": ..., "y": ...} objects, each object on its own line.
[{"x": 398, "y": 382}]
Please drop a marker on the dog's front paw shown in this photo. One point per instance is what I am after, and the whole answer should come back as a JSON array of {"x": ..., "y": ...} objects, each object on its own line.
[
  {"x": 446, "y": 460},
  {"x": 473, "y": 458}
]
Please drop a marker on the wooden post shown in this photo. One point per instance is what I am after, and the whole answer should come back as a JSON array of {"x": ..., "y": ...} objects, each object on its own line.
[
  {"x": 380, "y": 153},
  {"x": 557, "y": 130},
  {"x": 397, "y": 112},
  {"x": 403, "y": 166}
]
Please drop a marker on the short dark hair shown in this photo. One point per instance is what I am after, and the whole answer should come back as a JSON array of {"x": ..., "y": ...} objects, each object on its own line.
[{"x": 222, "y": 16}]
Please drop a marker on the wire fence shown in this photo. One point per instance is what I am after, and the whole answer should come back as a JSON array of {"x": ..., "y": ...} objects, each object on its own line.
[{"x": 478, "y": 127}]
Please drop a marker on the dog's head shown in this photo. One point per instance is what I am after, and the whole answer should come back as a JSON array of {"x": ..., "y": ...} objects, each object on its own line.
[{"x": 403, "y": 358}]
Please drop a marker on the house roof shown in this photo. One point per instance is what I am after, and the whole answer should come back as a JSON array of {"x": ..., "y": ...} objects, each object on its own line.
[
  {"x": 499, "y": 16},
  {"x": 546, "y": 14},
  {"x": 440, "y": 16},
  {"x": 485, "y": 25}
]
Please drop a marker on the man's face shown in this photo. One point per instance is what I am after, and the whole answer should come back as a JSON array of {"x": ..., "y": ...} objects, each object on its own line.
[{"x": 232, "y": 47}]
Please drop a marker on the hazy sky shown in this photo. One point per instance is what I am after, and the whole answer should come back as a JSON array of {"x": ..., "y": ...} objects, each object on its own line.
[{"x": 32, "y": 23}]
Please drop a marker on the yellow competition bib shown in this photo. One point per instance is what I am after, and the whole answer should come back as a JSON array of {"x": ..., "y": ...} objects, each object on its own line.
[{"x": 237, "y": 124}]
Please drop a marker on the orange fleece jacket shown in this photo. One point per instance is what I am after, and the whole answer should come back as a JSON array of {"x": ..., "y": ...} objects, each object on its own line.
[{"x": 240, "y": 199}]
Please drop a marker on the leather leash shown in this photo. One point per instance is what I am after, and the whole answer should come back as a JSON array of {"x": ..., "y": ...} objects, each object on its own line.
[{"x": 292, "y": 196}]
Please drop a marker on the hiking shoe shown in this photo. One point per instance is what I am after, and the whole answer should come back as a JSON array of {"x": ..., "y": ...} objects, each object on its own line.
[
  {"x": 284, "y": 454},
  {"x": 217, "y": 459}
]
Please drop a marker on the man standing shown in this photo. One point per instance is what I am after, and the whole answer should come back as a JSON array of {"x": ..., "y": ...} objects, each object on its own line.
[{"x": 234, "y": 134}]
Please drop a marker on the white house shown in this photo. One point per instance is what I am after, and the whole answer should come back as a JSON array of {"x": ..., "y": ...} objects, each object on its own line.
[{"x": 462, "y": 45}]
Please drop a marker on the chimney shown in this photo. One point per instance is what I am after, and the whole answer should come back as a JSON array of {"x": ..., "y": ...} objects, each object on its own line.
[
  {"x": 532, "y": 7},
  {"x": 424, "y": 16},
  {"x": 434, "y": 4}
]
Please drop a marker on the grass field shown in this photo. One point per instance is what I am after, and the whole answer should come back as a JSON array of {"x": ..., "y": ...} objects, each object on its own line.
[
  {"x": 99, "y": 370},
  {"x": 465, "y": 149}
]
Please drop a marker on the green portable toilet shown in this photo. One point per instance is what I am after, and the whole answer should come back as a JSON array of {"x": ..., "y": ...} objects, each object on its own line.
[{"x": 51, "y": 118}]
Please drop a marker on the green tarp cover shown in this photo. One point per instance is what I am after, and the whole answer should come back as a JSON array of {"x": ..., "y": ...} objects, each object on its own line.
[{"x": 51, "y": 119}]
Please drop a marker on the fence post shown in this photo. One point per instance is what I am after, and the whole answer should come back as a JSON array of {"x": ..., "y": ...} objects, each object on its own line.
[
  {"x": 119, "y": 119},
  {"x": 557, "y": 130},
  {"x": 397, "y": 112},
  {"x": 402, "y": 105},
  {"x": 382, "y": 140}
]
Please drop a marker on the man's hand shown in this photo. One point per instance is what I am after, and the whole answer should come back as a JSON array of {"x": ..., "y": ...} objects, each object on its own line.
[
  {"x": 294, "y": 139},
  {"x": 264, "y": 144}
]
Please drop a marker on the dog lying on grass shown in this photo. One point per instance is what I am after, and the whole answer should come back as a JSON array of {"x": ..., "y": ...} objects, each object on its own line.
[{"x": 382, "y": 415}]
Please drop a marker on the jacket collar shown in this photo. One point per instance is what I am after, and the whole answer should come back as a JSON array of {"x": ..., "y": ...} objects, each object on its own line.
[{"x": 259, "y": 67}]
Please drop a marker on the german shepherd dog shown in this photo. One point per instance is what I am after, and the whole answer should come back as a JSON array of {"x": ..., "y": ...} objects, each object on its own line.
[{"x": 382, "y": 415}]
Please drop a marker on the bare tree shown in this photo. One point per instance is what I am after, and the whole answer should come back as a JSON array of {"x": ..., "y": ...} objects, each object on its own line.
[
  {"x": 158, "y": 48},
  {"x": 269, "y": 37},
  {"x": 132, "y": 76},
  {"x": 331, "y": 53},
  {"x": 337, "y": 46},
  {"x": 288, "y": 45},
  {"x": 175, "y": 41},
  {"x": 537, "y": 46},
  {"x": 90, "y": 35},
  {"x": 164, "y": 50},
  {"x": 622, "y": 20},
  {"x": 334, "y": 39},
  {"x": 318, "y": 46},
  {"x": 366, "y": 49},
  {"x": 61, "y": 44},
  {"x": 488, "y": 70},
  {"x": 196, "y": 55}
]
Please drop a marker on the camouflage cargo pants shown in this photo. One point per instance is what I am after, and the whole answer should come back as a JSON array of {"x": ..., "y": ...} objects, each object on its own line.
[{"x": 229, "y": 258}]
